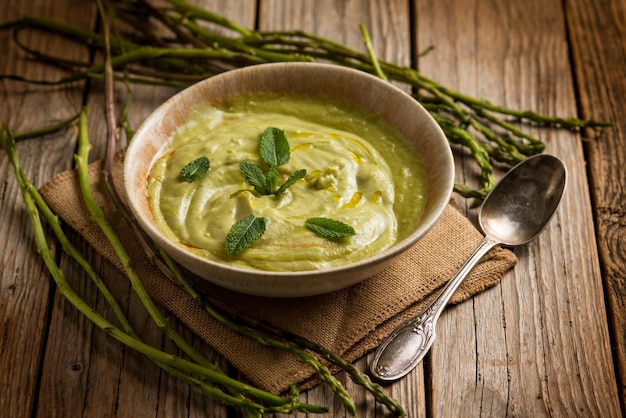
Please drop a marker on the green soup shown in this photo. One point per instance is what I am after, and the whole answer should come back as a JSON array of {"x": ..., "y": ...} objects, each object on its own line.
[{"x": 359, "y": 171}]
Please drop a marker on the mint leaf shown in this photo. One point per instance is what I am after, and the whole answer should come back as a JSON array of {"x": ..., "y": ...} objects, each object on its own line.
[
  {"x": 329, "y": 228},
  {"x": 274, "y": 147},
  {"x": 244, "y": 233},
  {"x": 195, "y": 169},
  {"x": 254, "y": 176},
  {"x": 295, "y": 176}
]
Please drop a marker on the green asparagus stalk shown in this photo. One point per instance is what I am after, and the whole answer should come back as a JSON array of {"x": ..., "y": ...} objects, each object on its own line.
[
  {"x": 82, "y": 158},
  {"x": 50, "y": 129},
  {"x": 370, "y": 50}
]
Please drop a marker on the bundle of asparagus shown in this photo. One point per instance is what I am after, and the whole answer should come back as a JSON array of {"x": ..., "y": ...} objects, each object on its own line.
[{"x": 193, "y": 46}]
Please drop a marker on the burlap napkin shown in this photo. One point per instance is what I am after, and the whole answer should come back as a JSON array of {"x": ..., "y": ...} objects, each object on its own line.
[{"x": 349, "y": 322}]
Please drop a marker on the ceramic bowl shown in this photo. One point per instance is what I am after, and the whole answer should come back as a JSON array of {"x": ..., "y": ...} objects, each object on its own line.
[{"x": 361, "y": 89}]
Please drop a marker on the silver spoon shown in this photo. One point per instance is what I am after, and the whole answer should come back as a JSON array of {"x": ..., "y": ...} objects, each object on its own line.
[{"x": 513, "y": 213}]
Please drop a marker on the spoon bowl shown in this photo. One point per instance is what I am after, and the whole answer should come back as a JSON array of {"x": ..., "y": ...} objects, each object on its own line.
[
  {"x": 519, "y": 208},
  {"x": 513, "y": 213}
]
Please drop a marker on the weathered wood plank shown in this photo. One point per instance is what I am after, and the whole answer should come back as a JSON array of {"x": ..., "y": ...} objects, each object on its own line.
[
  {"x": 523, "y": 347},
  {"x": 25, "y": 284},
  {"x": 598, "y": 40},
  {"x": 89, "y": 373}
]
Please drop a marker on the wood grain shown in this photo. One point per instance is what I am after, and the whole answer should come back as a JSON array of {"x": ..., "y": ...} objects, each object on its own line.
[
  {"x": 598, "y": 39},
  {"x": 539, "y": 344}
]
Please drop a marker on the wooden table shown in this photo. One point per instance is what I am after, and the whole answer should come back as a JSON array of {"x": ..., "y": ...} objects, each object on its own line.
[{"x": 548, "y": 341}]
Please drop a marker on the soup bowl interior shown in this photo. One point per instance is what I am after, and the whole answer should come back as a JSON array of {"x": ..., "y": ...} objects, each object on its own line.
[{"x": 301, "y": 79}]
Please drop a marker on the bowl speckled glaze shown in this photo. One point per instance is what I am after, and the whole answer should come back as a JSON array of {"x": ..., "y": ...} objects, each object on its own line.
[{"x": 306, "y": 79}]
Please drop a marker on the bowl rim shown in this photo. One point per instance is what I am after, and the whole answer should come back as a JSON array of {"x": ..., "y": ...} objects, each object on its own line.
[{"x": 392, "y": 252}]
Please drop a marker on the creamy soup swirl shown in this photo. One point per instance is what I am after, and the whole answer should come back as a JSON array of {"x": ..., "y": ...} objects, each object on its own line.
[{"x": 359, "y": 171}]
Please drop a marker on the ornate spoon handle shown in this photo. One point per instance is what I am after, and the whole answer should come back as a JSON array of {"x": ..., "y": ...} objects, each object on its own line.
[{"x": 408, "y": 344}]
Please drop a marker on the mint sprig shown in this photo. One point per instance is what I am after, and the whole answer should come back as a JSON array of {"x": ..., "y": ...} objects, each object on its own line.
[
  {"x": 329, "y": 228},
  {"x": 275, "y": 151},
  {"x": 244, "y": 233}
]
